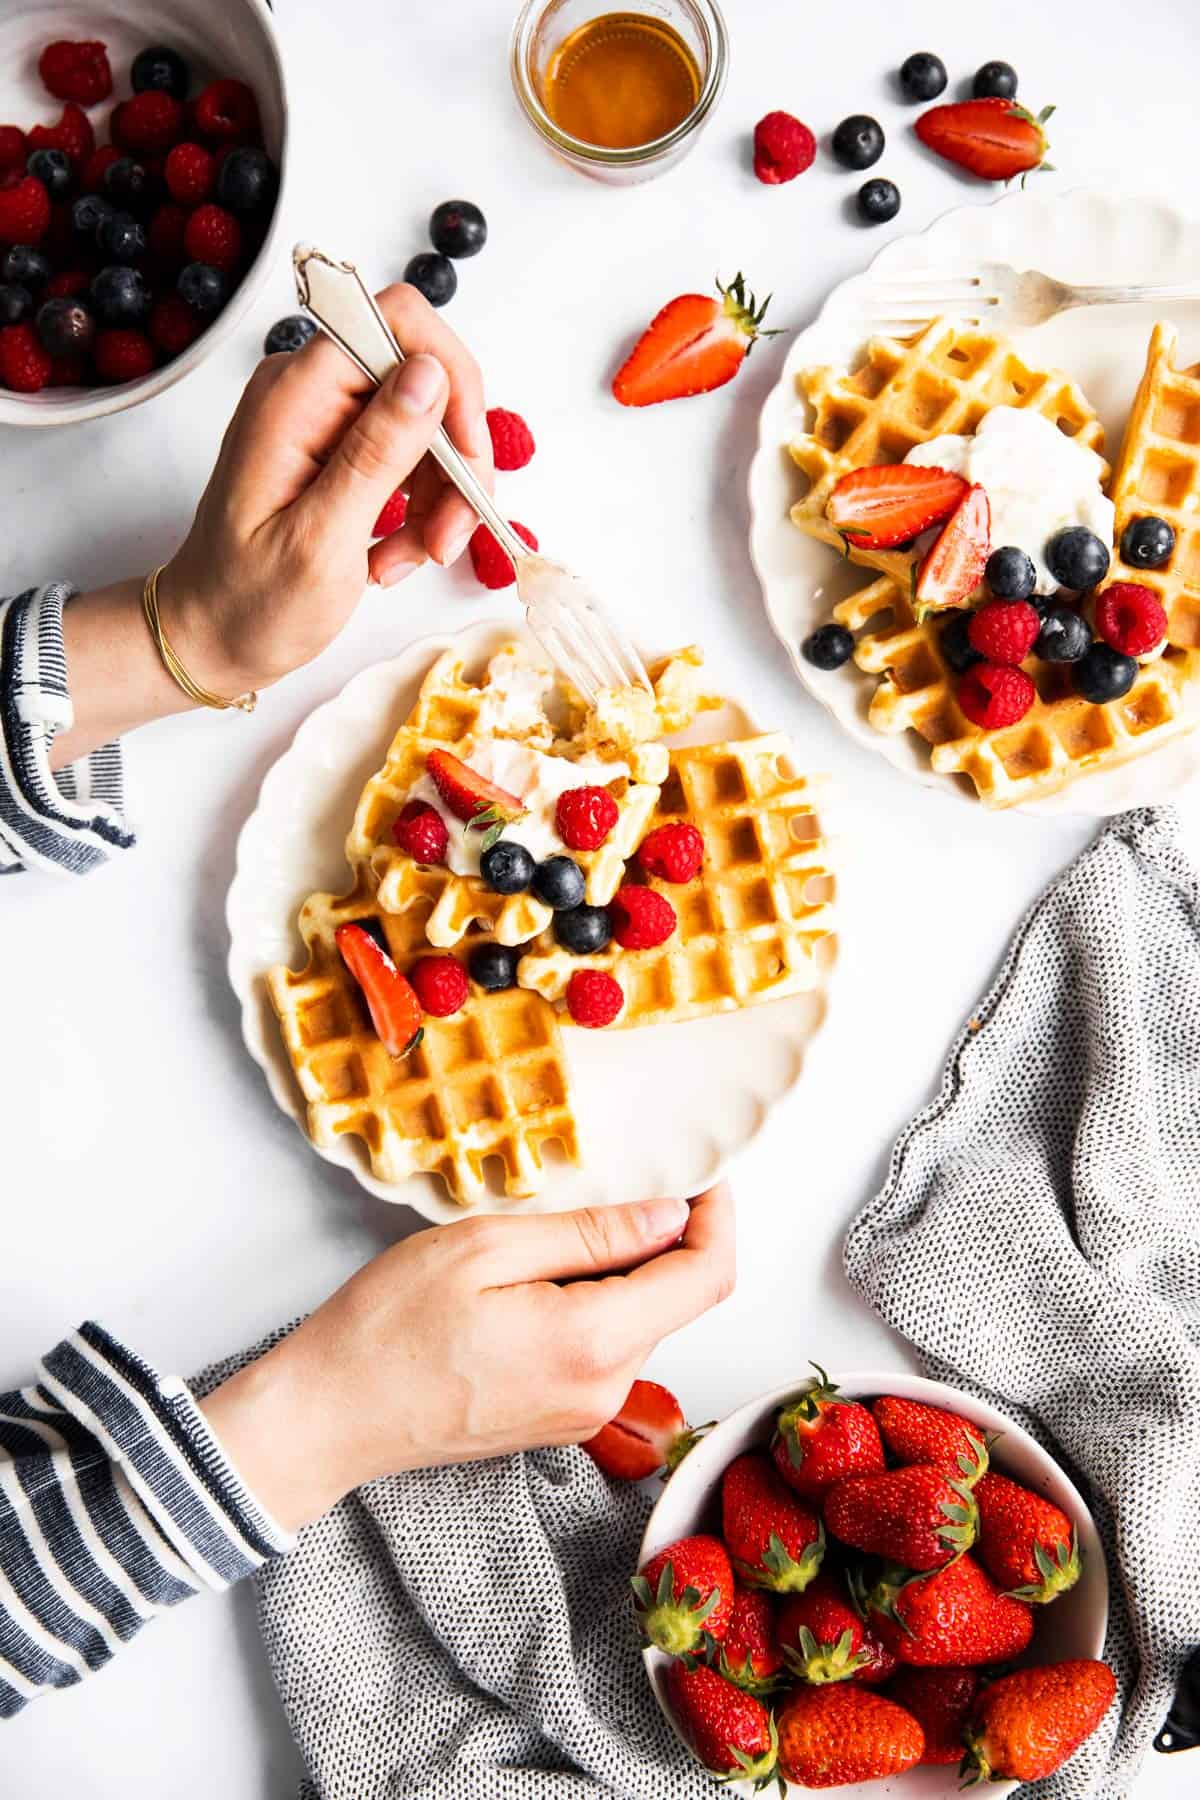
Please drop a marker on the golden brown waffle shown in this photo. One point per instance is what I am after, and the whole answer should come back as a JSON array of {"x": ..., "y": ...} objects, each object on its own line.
[
  {"x": 903, "y": 394},
  {"x": 489, "y": 1084},
  {"x": 751, "y": 925}
]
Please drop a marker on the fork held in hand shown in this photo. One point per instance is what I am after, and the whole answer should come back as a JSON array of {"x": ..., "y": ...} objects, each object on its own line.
[{"x": 996, "y": 295}]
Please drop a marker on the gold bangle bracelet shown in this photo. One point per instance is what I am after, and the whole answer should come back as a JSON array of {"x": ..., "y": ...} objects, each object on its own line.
[{"x": 201, "y": 695}]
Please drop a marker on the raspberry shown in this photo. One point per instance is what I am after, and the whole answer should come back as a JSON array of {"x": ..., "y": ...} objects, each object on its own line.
[
  {"x": 165, "y": 234},
  {"x": 641, "y": 918},
  {"x": 673, "y": 853},
  {"x": 67, "y": 371},
  {"x": 1004, "y": 631},
  {"x": 76, "y": 71},
  {"x": 226, "y": 111},
  {"x": 173, "y": 325},
  {"x": 393, "y": 515},
  {"x": 67, "y": 283},
  {"x": 189, "y": 174},
  {"x": 150, "y": 123},
  {"x": 993, "y": 696},
  {"x": 213, "y": 236},
  {"x": 593, "y": 998},
  {"x": 24, "y": 365},
  {"x": 73, "y": 133},
  {"x": 122, "y": 355},
  {"x": 92, "y": 179},
  {"x": 24, "y": 209},
  {"x": 492, "y": 565},
  {"x": 512, "y": 440},
  {"x": 783, "y": 148},
  {"x": 12, "y": 147},
  {"x": 1131, "y": 618},
  {"x": 584, "y": 817},
  {"x": 441, "y": 985},
  {"x": 421, "y": 830}
]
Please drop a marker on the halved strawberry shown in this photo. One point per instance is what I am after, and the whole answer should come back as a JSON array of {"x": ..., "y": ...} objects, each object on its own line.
[
  {"x": 480, "y": 803},
  {"x": 393, "y": 1005},
  {"x": 889, "y": 503},
  {"x": 692, "y": 346},
  {"x": 953, "y": 566},
  {"x": 649, "y": 1433},
  {"x": 995, "y": 139}
]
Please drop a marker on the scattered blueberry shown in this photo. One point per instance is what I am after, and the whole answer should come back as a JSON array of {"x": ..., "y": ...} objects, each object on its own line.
[
  {"x": 558, "y": 882},
  {"x": 878, "y": 201},
  {"x": 507, "y": 867},
  {"x": 432, "y": 275},
  {"x": 858, "y": 141},
  {"x": 53, "y": 169},
  {"x": 87, "y": 212},
  {"x": 1076, "y": 558},
  {"x": 65, "y": 326},
  {"x": 16, "y": 303},
  {"x": 995, "y": 81},
  {"x": 1103, "y": 674},
  {"x": 203, "y": 287},
  {"x": 584, "y": 929},
  {"x": 922, "y": 76},
  {"x": 493, "y": 966},
  {"x": 27, "y": 267},
  {"x": 457, "y": 228},
  {"x": 1064, "y": 636},
  {"x": 248, "y": 181},
  {"x": 828, "y": 647},
  {"x": 1147, "y": 543},
  {"x": 119, "y": 295},
  {"x": 126, "y": 182},
  {"x": 121, "y": 237},
  {"x": 956, "y": 646},
  {"x": 291, "y": 333},
  {"x": 160, "y": 67},
  {"x": 1010, "y": 573}
]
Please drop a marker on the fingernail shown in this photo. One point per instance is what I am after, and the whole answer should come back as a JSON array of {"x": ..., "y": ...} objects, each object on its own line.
[
  {"x": 663, "y": 1218},
  {"x": 420, "y": 383},
  {"x": 395, "y": 574}
]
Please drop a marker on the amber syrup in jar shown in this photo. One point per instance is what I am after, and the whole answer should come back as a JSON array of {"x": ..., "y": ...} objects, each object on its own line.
[{"x": 621, "y": 80}]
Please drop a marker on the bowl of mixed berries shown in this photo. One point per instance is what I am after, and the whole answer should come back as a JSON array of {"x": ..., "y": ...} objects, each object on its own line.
[
  {"x": 844, "y": 1582},
  {"x": 140, "y": 171}
]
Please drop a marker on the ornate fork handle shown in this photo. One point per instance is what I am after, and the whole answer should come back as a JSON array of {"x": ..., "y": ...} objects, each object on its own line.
[{"x": 1118, "y": 296}]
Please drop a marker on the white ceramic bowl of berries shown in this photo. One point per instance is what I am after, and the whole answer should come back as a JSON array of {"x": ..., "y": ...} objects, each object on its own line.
[
  {"x": 851, "y": 1667},
  {"x": 142, "y": 153}
]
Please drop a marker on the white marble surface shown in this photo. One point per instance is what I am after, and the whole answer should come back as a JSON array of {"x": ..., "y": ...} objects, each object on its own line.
[{"x": 148, "y": 1178}]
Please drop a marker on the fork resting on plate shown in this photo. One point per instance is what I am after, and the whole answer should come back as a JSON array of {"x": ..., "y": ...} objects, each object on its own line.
[{"x": 994, "y": 294}]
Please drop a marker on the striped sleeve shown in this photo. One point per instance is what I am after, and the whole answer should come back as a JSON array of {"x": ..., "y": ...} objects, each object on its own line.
[
  {"x": 116, "y": 1502},
  {"x": 65, "y": 822}
]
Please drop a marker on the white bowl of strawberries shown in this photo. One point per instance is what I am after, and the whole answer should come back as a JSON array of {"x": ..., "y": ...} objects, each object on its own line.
[{"x": 845, "y": 1583}]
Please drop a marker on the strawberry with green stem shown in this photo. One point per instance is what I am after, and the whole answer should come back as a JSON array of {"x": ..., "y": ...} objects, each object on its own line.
[
  {"x": 479, "y": 803},
  {"x": 750, "y": 1655},
  {"x": 914, "y": 1516},
  {"x": 775, "y": 1541},
  {"x": 914, "y": 1432},
  {"x": 684, "y": 1596},
  {"x": 820, "y": 1439},
  {"x": 730, "y": 1731},
  {"x": 886, "y": 504},
  {"x": 695, "y": 344},
  {"x": 992, "y": 138},
  {"x": 1025, "y": 1726},
  {"x": 1026, "y": 1543},
  {"x": 649, "y": 1434},
  {"x": 955, "y": 1617}
]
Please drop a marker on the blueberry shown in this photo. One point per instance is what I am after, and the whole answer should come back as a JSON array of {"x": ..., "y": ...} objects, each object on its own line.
[
  {"x": 203, "y": 287},
  {"x": 995, "y": 81},
  {"x": 828, "y": 647},
  {"x": 1010, "y": 573},
  {"x": 457, "y": 228},
  {"x": 858, "y": 141},
  {"x": 27, "y": 267},
  {"x": 291, "y": 333},
  {"x": 878, "y": 201},
  {"x": 119, "y": 295},
  {"x": 1076, "y": 558},
  {"x": 53, "y": 169},
  {"x": 87, "y": 212},
  {"x": 160, "y": 67},
  {"x": 248, "y": 181},
  {"x": 432, "y": 275},
  {"x": 558, "y": 882},
  {"x": 493, "y": 966},
  {"x": 1147, "y": 543},
  {"x": 922, "y": 76},
  {"x": 1103, "y": 674},
  {"x": 16, "y": 303},
  {"x": 507, "y": 867},
  {"x": 583, "y": 930},
  {"x": 1064, "y": 636},
  {"x": 956, "y": 646},
  {"x": 127, "y": 183},
  {"x": 65, "y": 326},
  {"x": 121, "y": 237}
]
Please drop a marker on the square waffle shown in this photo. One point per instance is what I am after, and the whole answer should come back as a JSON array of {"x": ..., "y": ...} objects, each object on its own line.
[
  {"x": 751, "y": 924},
  {"x": 489, "y": 1084}
]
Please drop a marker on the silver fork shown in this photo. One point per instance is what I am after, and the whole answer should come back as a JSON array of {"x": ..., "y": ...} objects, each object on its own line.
[
  {"x": 994, "y": 294},
  {"x": 568, "y": 622}
]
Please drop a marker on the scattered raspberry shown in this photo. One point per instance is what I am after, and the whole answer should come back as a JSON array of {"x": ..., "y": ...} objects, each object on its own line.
[
  {"x": 165, "y": 235},
  {"x": 394, "y": 513},
  {"x": 1131, "y": 618},
  {"x": 512, "y": 440},
  {"x": 24, "y": 209},
  {"x": 593, "y": 998},
  {"x": 213, "y": 236},
  {"x": 492, "y": 565},
  {"x": 226, "y": 111},
  {"x": 189, "y": 174},
  {"x": 993, "y": 696},
  {"x": 673, "y": 853},
  {"x": 585, "y": 817},
  {"x": 67, "y": 371},
  {"x": 12, "y": 148},
  {"x": 641, "y": 918},
  {"x": 441, "y": 985},
  {"x": 421, "y": 831},
  {"x": 73, "y": 133},
  {"x": 173, "y": 325},
  {"x": 148, "y": 123},
  {"x": 76, "y": 71},
  {"x": 783, "y": 148},
  {"x": 1004, "y": 631},
  {"x": 24, "y": 365},
  {"x": 67, "y": 283},
  {"x": 92, "y": 179},
  {"x": 122, "y": 355}
]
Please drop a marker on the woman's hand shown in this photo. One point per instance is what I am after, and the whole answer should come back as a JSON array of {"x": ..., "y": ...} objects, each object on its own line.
[{"x": 472, "y": 1340}]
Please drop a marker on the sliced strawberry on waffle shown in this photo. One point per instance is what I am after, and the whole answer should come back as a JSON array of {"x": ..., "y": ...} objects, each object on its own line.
[
  {"x": 888, "y": 503},
  {"x": 953, "y": 566},
  {"x": 391, "y": 1001},
  {"x": 470, "y": 797}
]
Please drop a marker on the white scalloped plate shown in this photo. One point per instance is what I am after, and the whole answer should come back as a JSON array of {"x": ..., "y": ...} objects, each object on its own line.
[
  {"x": 1082, "y": 236},
  {"x": 660, "y": 1110}
]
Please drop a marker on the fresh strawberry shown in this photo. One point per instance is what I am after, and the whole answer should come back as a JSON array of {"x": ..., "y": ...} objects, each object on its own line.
[
  {"x": 648, "y": 1434},
  {"x": 993, "y": 696},
  {"x": 594, "y": 998},
  {"x": 1026, "y": 1543},
  {"x": 691, "y": 347},
  {"x": 1004, "y": 631},
  {"x": 421, "y": 830},
  {"x": 750, "y": 1653},
  {"x": 512, "y": 440},
  {"x": 882, "y": 1665},
  {"x": 24, "y": 208},
  {"x": 730, "y": 1731},
  {"x": 916, "y": 1433},
  {"x": 585, "y": 816},
  {"x": 480, "y": 803},
  {"x": 440, "y": 984},
  {"x": 1026, "y": 1725},
  {"x": 955, "y": 1618},
  {"x": 820, "y": 1439},
  {"x": 953, "y": 565},
  {"x": 642, "y": 918},
  {"x": 188, "y": 173},
  {"x": 492, "y": 564},
  {"x": 25, "y": 366},
  {"x": 394, "y": 1008},
  {"x": 889, "y": 503},
  {"x": 76, "y": 71},
  {"x": 13, "y": 148},
  {"x": 832, "y": 1736},
  {"x": 673, "y": 853},
  {"x": 684, "y": 1596},
  {"x": 73, "y": 133},
  {"x": 226, "y": 112},
  {"x": 1131, "y": 618},
  {"x": 774, "y": 1539},
  {"x": 783, "y": 148},
  {"x": 821, "y": 1635},
  {"x": 915, "y": 1516},
  {"x": 939, "y": 1700},
  {"x": 995, "y": 139},
  {"x": 392, "y": 514}
]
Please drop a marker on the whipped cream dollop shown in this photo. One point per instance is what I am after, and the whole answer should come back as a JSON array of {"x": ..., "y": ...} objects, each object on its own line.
[
  {"x": 514, "y": 700},
  {"x": 1038, "y": 481}
]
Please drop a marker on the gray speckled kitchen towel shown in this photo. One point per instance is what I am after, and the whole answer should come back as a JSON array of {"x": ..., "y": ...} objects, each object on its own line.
[{"x": 1038, "y": 1240}]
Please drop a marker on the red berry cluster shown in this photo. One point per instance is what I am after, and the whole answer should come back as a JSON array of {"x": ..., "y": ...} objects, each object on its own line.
[
  {"x": 642, "y": 919},
  {"x": 512, "y": 448}
]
